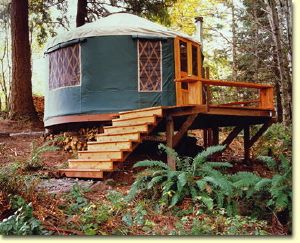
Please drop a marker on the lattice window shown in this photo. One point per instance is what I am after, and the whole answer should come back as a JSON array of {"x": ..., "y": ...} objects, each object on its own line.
[
  {"x": 150, "y": 66},
  {"x": 64, "y": 65}
]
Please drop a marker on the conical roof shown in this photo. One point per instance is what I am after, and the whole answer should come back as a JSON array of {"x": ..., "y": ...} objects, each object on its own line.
[{"x": 118, "y": 24}]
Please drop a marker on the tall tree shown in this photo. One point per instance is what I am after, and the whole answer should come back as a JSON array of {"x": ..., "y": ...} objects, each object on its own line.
[
  {"x": 281, "y": 59},
  {"x": 21, "y": 88},
  {"x": 81, "y": 12},
  {"x": 234, "y": 41}
]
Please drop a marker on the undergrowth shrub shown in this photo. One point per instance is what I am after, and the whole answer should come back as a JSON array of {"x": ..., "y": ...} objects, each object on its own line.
[
  {"x": 279, "y": 187},
  {"x": 276, "y": 140},
  {"x": 14, "y": 181},
  {"x": 197, "y": 178},
  {"x": 35, "y": 161},
  {"x": 22, "y": 222}
]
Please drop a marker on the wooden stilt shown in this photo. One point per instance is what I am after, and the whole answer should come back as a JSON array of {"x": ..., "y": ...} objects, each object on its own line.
[
  {"x": 170, "y": 136},
  {"x": 246, "y": 144},
  {"x": 205, "y": 138},
  {"x": 215, "y": 136},
  {"x": 209, "y": 137}
]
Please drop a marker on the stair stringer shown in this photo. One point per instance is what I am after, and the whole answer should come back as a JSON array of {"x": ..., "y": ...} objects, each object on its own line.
[{"x": 112, "y": 147}]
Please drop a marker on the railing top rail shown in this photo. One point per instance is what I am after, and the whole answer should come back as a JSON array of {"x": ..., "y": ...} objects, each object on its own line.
[
  {"x": 226, "y": 83},
  {"x": 235, "y": 84}
]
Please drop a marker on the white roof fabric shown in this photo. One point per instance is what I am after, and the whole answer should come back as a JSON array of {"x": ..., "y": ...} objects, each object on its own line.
[{"x": 118, "y": 24}]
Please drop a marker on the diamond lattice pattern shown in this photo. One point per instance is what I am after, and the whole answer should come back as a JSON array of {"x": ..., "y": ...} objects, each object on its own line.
[
  {"x": 150, "y": 73},
  {"x": 64, "y": 67}
]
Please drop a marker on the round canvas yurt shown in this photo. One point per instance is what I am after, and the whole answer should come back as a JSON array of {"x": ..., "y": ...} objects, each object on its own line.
[{"x": 118, "y": 63}]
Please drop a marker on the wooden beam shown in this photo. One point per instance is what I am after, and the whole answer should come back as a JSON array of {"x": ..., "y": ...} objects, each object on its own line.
[
  {"x": 246, "y": 143},
  {"x": 170, "y": 135},
  {"x": 259, "y": 133},
  {"x": 183, "y": 129},
  {"x": 232, "y": 135}
]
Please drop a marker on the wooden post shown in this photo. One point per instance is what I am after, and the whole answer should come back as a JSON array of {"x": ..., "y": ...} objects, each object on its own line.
[
  {"x": 247, "y": 143},
  {"x": 205, "y": 138},
  {"x": 209, "y": 137},
  {"x": 169, "y": 135},
  {"x": 215, "y": 136}
]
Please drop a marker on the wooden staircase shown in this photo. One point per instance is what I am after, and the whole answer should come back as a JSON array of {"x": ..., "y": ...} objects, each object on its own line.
[{"x": 115, "y": 144}]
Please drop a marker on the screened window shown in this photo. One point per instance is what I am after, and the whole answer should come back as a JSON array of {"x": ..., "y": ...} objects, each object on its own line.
[
  {"x": 64, "y": 66},
  {"x": 150, "y": 66},
  {"x": 195, "y": 60},
  {"x": 183, "y": 56}
]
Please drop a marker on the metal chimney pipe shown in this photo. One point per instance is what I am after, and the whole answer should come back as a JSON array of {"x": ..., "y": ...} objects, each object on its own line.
[{"x": 199, "y": 29}]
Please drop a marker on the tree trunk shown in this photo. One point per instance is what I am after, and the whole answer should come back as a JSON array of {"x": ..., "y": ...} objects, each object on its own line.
[
  {"x": 81, "y": 12},
  {"x": 21, "y": 103},
  {"x": 284, "y": 80},
  {"x": 233, "y": 28},
  {"x": 277, "y": 87}
]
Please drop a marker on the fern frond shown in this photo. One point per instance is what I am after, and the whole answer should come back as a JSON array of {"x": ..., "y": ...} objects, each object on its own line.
[
  {"x": 182, "y": 180},
  {"x": 206, "y": 200},
  {"x": 271, "y": 163},
  {"x": 262, "y": 184},
  {"x": 285, "y": 164},
  {"x": 201, "y": 157},
  {"x": 244, "y": 179},
  {"x": 175, "y": 199},
  {"x": 220, "y": 182},
  {"x": 219, "y": 164},
  {"x": 135, "y": 187},
  {"x": 201, "y": 184},
  {"x": 151, "y": 163},
  {"x": 154, "y": 181}
]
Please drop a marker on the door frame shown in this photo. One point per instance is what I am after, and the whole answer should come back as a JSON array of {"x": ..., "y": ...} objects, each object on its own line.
[{"x": 188, "y": 85}]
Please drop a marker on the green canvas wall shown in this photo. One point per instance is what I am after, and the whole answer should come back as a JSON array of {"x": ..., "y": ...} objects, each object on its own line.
[{"x": 109, "y": 80}]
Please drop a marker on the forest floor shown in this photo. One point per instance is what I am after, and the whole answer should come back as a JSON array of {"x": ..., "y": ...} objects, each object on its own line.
[{"x": 18, "y": 148}]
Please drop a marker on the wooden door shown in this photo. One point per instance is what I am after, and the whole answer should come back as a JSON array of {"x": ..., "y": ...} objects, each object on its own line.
[{"x": 188, "y": 67}]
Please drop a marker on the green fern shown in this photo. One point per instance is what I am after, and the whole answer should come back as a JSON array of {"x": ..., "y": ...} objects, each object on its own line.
[
  {"x": 176, "y": 185},
  {"x": 271, "y": 163},
  {"x": 35, "y": 161},
  {"x": 151, "y": 163}
]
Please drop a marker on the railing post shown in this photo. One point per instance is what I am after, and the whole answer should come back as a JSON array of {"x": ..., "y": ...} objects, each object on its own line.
[{"x": 266, "y": 97}]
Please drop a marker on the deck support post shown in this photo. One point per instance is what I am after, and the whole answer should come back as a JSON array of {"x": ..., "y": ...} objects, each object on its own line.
[
  {"x": 205, "y": 138},
  {"x": 247, "y": 143},
  {"x": 215, "y": 135},
  {"x": 170, "y": 135}
]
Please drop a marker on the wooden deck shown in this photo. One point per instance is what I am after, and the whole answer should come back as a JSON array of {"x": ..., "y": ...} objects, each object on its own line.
[{"x": 133, "y": 127}]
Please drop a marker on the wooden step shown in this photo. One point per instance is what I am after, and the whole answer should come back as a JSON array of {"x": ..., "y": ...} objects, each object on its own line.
[
  {"x": 82, "y": 173},
  {"x": 91, "y": 164},
  {"x": 101, "y": 155},
  {"x": 142, "y": 128},
  {"x": 134, "y": 137},
  {"x": 142, "y": 113},
  {"x": 134, "y": 121},
  {"x": 109, "y": 146}
]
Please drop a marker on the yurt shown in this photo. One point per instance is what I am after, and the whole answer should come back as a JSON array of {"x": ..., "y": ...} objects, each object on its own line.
[{"x": 118, "y": 63}]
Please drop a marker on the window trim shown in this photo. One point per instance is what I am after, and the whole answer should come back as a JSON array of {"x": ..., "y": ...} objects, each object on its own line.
[{"x": 161, "y": 70}]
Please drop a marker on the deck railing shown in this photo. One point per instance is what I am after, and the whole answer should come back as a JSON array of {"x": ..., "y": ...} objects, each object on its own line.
[{"x": 265, "y": 100}]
